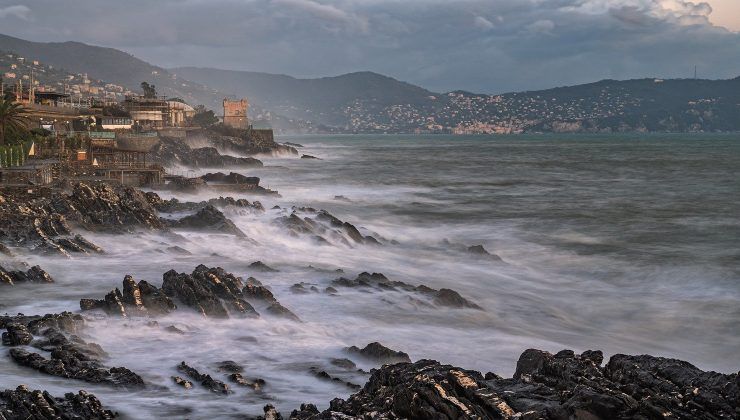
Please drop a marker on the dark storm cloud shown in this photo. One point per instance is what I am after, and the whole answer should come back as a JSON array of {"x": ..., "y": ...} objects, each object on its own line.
[{"x": 479, "y": 45}]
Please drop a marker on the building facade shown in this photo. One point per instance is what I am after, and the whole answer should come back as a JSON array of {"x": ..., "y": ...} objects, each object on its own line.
[{"x": 235, "y": 113}]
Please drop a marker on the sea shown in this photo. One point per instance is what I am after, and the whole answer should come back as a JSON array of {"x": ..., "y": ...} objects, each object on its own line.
[{"x": 625, "y": 243}]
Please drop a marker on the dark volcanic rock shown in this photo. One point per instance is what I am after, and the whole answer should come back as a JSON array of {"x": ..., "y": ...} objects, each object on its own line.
[
  {"x": 174, "y": 205},
  {"x": 45, "y": 224},
  {"x": 24, "y": 404},
  {"x": 256, "y": 293},
  {"x": 70, "y": 356},
  {"x": 546, "y": 386},
  {"x": 209, "y": 218},
  {"x": 452, "y": 299},
  {"x": 176, "y": 152},
  {"x": 379, "y": 353},
  {"x": 482, "y": 252},
  {"x": 211, "y": 291},
  {"x": 323, "y": 226},
  {"x": 182, "y": 382},
  {"x": 443, "y": 297},
  {"x": 70, "y": 363},
  {"x": 231, "y": 178},
  {"x": 309, "y": 157},
  {"x": 34, "y": 274},
  {"x": 136, "y": 299},
  {"x": 204, "y": 379},
  {"x": 16, "y": 335},
  {"x": 260, "y": 266}
]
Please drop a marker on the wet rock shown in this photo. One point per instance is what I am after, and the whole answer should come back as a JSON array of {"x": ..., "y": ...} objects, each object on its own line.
[
  {"x": 271, "y": 413},
  {"x": 178, "y": 250},
  {"x": 480, "y": 251},
  {"x": 175, "y": 152},
  {"x": 342, "y": 198},
  {"x": 182, "y": 382},
  {"x": 230, "y": 366},
  {"x": 16, "y": 335},
  {"x": 204, "y": 379},
  {"x": 422, "y": 390},
  {"x": 69, "y": 363},
  {"x": 309, "y": 157},
  {"x": 322, "y": 226},
  {"x": 256, "y": 293},
  {"x": 322, "y": 374},
  {"x": 307, "y": 411},
  {"x": 239, "y": 379},
  {"x": 344, "y": 363},
  {"x": 231, "y": 178},
  {"x": 174, "y": 330},
  {"x": 175, "y": 205},
  {"x": 287, "y": 143},
  {"x": 24, "y": 404},
  {"x": 209, "y": 219},
  {"x": 452, "y": 299},
  {"x": 34, "y": 274},
  {"x": 443, "y": 297},
  {"x": 136, "y": 299},
  {"x": 211, "y": 291},
  {"x": 379, "y": 353},
  {"x": 260, "y": 266}
]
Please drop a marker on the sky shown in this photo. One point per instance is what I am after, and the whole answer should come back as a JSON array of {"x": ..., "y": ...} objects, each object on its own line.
[{"x": 486, "y": 46}]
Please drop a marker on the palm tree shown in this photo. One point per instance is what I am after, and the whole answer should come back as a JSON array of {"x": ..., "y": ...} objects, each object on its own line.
[{"x": 12, "y": 117}]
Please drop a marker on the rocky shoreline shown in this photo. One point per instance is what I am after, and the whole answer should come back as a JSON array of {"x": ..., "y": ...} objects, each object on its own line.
[{"x": 564, "y": 385}]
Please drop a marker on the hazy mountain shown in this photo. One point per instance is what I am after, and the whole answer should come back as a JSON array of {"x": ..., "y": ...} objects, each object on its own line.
[
  {"x": 370, "y": 102},
  {"x": 324, "y": 100},
  {"x": 108, "y": 64}
]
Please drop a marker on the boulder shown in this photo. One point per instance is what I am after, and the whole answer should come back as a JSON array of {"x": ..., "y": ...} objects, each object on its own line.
[
  {"x": 379, "y": 353},
  {"x": 24, "y": 404},
  {"x": 209, "y": 219}
]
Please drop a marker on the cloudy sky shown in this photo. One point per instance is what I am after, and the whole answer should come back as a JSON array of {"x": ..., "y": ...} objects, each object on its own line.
[{"x": 479, "y": 45}]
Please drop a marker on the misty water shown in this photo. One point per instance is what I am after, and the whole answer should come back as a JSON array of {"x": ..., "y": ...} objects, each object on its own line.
[{"x": 624, "y": 243}]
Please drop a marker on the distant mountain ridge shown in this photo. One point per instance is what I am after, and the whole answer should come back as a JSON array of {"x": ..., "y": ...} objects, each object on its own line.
[{"x": 366, "y": 102}]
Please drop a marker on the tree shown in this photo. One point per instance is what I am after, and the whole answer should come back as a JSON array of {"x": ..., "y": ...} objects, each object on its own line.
[
  {"x": 204, "y": 117},
  {"x": 12, "y": 117},
  {"x": 150, "y": 91}
]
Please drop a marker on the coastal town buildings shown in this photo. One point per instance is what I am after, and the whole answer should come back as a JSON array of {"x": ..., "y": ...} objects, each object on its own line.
[{"x": 235, "y": 113}]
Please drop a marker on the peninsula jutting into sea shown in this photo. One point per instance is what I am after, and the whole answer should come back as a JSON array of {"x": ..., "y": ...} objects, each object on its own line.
[{"x": 193, "y": 243}]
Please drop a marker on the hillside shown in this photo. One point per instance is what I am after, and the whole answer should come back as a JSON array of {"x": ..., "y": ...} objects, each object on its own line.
[
  {"x": 366, "y": 102},
  {"x": 324, "y": 100},
  {"x": 109, "y": 65}
]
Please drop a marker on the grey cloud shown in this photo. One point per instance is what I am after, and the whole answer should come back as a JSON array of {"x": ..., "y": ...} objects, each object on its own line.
[{"x": 478, "y": 45}]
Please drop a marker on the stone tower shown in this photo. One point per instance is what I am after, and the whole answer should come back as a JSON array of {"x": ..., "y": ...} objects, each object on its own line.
[{"x": 235, "y": 113}]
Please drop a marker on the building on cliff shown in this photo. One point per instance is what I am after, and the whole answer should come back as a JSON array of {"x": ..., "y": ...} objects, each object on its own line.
[{"x": 235, "y": 113}]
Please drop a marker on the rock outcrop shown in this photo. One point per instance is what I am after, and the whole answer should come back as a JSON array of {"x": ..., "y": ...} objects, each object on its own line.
[
  {"x": 379, "y": 353},
  {"x": 70, "y": 356},
  {"x": 34, "y": 274},
  {"x": 211, "y": 292},
  {"x": 209, "y": 219},
  {"x": 176, "y": 152},
  {"x": 324, "y": 227},
  {"x": 377, "y": 281},
  {"x": 545, "y": 386},
  {"x": 24, "y": 404}
]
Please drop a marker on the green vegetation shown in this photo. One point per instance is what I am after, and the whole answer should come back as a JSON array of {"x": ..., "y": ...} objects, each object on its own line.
[
  {"x": 150, "y": 91},
  {"x": 204, "y": 117},
  {"x": 13, "y": 120}
]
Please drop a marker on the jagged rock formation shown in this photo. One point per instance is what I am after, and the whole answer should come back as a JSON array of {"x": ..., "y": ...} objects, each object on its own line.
[
  {"x": 173, "y": 205},
  {"x": 209, "y": 219},
  {"x": 70, "y": 356},
  {"x": 210, "y": 291},
  {"x": 231, "y": 178},
  {"x": 442, "y": 297},
  {"x": 205, "y": 380},
  {"x": 173, "y": 152},
  {"x": 379, "y": 353},
  {"x": 45, "y": 223},
  {"x": 34, "y": 274},
  {"x": 545, "y": 386},
  {"x": 139, "y": 298},
  {"x": 323, "y": 227},
  {"x": 24, "y": 404}
]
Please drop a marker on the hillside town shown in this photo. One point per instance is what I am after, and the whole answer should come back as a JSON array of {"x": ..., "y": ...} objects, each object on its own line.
[{"x": 53, "y": 133}]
